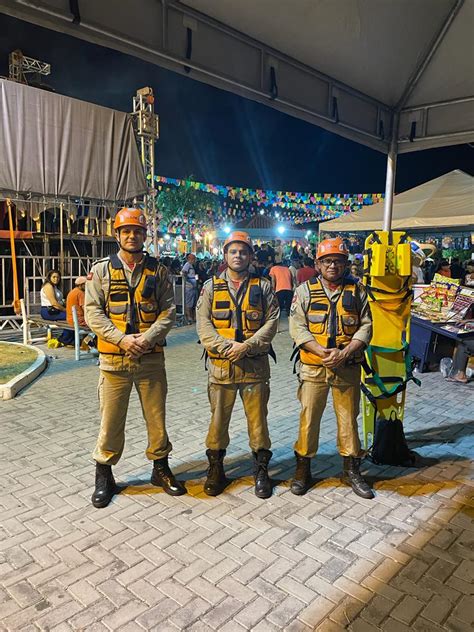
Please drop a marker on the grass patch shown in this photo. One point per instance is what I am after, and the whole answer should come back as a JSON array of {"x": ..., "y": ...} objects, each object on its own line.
[{"x": 14, "y": 359}]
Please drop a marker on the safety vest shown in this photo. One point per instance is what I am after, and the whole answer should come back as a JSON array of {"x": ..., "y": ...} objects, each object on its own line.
[
  {"x": 131, "y": 309},
  {"x": 247, "y": 306},
  {"x": 332, "y": 323}
]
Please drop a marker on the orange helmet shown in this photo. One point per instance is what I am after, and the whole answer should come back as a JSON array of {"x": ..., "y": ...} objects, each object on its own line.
[
  {"x": 334, "y": 246},
  {"x": 130, "y": 217},
  {"x": 241, "y": 236}
]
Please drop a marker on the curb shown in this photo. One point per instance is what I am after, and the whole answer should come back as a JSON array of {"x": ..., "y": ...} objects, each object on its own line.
[{"x": 11, "y": 388}]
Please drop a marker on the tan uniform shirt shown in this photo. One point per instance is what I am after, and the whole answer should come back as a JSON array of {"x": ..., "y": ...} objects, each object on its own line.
[
  {"x": 299, "y": 329},
  {"x": 96, "y": 292},
  {"x": 254, "y": 367}
]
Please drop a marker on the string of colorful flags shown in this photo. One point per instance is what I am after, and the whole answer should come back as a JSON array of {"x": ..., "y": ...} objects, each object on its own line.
[{"x": 297, "y": 207}]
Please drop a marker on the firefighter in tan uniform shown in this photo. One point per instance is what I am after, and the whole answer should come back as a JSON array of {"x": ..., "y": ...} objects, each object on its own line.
[
  {"x": 130, "y": 306},
  {"x": 237, "y": 318},
  {"x": 331, "y": 325}
]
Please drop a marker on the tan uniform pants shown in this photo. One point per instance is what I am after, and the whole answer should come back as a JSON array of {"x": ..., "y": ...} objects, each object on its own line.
[
  {"x": 345, "y": 387},
  {"x": 254, "y": 398},
  {"x": 149, "y": 378}
]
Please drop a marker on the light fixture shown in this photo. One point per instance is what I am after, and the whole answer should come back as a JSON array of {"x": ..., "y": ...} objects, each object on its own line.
[
  {"x": 280, "y": 230},
  {"x": 227, "y": 229},
  {"x": 262, "y": 212}
]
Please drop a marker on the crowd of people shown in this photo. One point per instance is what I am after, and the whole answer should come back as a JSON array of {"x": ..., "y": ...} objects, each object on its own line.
[{"x": 286, "y": 267}]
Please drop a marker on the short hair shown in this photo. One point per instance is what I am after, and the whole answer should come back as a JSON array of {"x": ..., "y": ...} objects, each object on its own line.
[{"x": 308, "y": 262}]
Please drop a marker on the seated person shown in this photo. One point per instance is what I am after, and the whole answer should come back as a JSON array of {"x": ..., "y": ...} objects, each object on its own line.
[
  {"x": 52, "y": 299},
  {"x": 462, "y": 352},
  {"x": 464, "y": 349},
  {"x": 76, "y": 298},
  {"x": 52, "y": 304}
]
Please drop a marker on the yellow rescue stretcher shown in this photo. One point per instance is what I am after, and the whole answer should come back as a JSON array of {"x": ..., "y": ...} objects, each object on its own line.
[{"x": 387, "y": 366}]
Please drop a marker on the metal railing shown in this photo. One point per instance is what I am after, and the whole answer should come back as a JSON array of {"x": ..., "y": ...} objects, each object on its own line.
[{"x": 32, "y": 271}]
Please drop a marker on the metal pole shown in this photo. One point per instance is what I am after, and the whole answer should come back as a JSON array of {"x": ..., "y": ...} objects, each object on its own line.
[
  {"x": 16, "y": 292},
  {"x": 61, "y": 240},
  {"x": 391, "y": 174}
]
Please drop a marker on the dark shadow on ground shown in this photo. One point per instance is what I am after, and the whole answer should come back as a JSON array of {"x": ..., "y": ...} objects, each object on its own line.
[{"x": 440, "y": 434}]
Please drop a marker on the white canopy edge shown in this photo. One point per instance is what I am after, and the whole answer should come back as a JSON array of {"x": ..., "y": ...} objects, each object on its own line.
[
  {"x": 444, "y": 202},
  {"x": 226, "y": 58}
]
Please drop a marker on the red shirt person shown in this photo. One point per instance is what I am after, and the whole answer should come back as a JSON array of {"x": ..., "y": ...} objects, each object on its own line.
[{"x": 307, "y": 272}]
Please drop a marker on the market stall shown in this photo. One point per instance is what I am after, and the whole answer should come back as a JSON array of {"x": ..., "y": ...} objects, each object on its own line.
[{"x": 438, "y": 321}]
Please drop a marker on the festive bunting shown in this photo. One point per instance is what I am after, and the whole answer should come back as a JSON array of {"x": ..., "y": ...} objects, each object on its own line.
[{"x": 240, "y": 203}]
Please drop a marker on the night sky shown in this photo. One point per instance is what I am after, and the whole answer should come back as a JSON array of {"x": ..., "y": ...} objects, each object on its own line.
[{"x": 216, "y": 136}]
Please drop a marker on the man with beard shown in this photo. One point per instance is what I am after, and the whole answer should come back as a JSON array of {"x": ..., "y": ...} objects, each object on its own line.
[
  {"x": 237, "y": 318},
  {"x": 130, "y": 306},
  {"x": 330, "y": 323}
]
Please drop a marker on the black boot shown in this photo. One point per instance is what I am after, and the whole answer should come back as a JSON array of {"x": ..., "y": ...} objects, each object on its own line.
[
  {"x": 216, "y": 480},
  {"x": 302, "y": 480},
  {"x": 163, "y": 477},
  {"x": 263, "y": 486},
  {"x": 104, "y": 486},
  {"x": 351, "y": 476}
]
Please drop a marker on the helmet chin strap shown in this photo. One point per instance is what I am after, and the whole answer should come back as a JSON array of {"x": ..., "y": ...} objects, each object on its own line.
[
  {"x": 234, "y": 270},
  {"x": 117, "y": 239},
  {"x": 132, "y": 251}
]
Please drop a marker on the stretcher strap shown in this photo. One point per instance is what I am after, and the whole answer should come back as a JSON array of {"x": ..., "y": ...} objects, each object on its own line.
[
  {"x": 295, "y": 355},
  {"x": 372, "y": 290},
  {"x": 378, "y": 380}
]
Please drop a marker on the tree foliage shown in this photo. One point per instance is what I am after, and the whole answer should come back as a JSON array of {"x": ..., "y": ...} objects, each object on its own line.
[{"x": 185, "y": 202}]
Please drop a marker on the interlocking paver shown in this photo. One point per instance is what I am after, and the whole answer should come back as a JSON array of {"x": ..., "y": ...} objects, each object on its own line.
[
  {"x": 326, "y": 561},
  {"x": 253, "y": 613},
  {"x": 221, "y": 613}
]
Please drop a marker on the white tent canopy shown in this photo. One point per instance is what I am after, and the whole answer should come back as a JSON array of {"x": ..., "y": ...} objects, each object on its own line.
[
  {"x": 345, "y": 65},
  {"x": 445, "y": 202}
]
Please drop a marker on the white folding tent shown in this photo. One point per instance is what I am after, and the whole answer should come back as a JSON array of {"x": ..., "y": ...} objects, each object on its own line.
[
  {"x": 445, "y": 202},
  {"x": 395, "y": 75}
]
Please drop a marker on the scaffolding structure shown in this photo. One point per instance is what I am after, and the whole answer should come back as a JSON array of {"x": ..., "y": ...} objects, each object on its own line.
[
  {"x": 147, "y": 130},
  {"x": 20, "y": 66}
]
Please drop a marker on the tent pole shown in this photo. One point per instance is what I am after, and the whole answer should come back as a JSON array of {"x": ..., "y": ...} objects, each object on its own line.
[{"x": 391, "y": 174}]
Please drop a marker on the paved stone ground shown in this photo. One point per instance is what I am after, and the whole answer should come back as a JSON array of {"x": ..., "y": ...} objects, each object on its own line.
[{"x": 327, "y": 561}]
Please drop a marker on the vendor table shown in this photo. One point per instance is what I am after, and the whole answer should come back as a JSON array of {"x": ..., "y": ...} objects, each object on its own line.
[{"x": 429, "y": 342}]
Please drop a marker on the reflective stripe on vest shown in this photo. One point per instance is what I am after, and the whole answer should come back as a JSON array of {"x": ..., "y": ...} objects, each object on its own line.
[
  {"x": 247, "y": 306},
  {"x": 132, "y": 310},
  {"x": 332, "y": 323}
]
